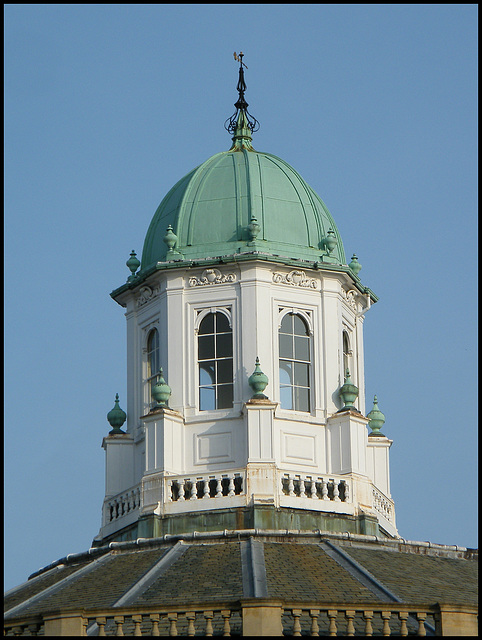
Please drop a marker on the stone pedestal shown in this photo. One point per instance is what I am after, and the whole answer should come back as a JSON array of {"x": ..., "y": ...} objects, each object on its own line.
[
  {"x": 119, "y": 463},
  {"x": 164, "y": 441},
  {"x": 347, "y": 442}
]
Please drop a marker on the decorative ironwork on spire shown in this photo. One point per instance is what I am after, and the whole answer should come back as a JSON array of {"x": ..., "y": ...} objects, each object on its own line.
[{"x": 232, "y": 124}]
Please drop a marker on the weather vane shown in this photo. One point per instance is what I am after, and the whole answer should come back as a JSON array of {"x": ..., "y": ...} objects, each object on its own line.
[
  {"x": 241, "y": 104},
  {"x": 239, "y": 58}
]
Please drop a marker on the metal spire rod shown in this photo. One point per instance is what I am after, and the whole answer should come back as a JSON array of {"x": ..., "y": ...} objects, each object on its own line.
[{"x": 241, "y": 104}]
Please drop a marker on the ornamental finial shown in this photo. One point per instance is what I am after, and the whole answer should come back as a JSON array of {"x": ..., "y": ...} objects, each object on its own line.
[{"x": 241, "y": 124}]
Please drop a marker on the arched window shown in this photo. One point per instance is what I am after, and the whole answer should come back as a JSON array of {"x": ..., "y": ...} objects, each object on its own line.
[
  {"x": 346, "y": 354},
  {"x": 215, "y": 359},
  {"x": 153, "y": 361},
  {"x": 294, "y": 363}
]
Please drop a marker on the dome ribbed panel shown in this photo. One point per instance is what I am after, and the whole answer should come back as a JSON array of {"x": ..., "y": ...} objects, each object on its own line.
[{"x": 212, "y": 206}]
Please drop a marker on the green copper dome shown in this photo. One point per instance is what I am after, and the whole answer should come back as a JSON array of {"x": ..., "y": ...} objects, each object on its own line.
[
  {"x": 211, "y": 208},
  {"x": 242, "y": 201}
]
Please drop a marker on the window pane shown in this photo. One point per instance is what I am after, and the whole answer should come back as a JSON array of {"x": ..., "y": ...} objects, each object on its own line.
[
  {"x": 206, "y": 347},
  {"x": 222, "y": 323},
  {"x": 225, "y": 371},
  {"x": 302, "y": 399},
  {"x": 302, "y": 348},
  {"x": 285, "y": 346},
  {"x": 225, "y": 396},
  {"x": 207, "y": 398},
  {"x": 285, "y": 373},
  {"x": 153, "y": 353},
  {"x": 299, "y": 326},
  {"x": 287, "y": 324},
  {"x": 207, "y": 324},
  {"x": 153, "y": 364},
  {"x": 301, "y": 376},
  {"x": 286, "y": 399},
  {"x": 224, "y": 345},
  {"x": 206, "y": 373}
]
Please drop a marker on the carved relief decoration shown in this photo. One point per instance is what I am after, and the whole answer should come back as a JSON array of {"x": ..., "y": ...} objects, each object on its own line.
[
  {"x": 350, "y": 299},
  {"x": 296, "y": 279},
  {"x": 211, "y": 276},
  {"x": 146, "y": 294}
]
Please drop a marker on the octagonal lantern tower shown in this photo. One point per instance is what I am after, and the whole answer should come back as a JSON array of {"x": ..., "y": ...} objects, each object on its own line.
[{"x": 245, "y": 365}]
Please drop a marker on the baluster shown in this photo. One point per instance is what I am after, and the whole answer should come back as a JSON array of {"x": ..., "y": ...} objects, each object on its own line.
[
  {"x": 206, "y": 489},
  {"x": 119, "y": 621},
  {"x": 138, "y": 496},
  {"x": 191, "y": 616},
  {"x": 111, "y": 511},
  {"x": 137, "y": 620},
  {"x": 241, "y": 484},
  {"x": 154, "y": 617},
  {"x": 403, "y": 616},
  {"x": 324, "y": 490},
  {"x": 193, "y": 490},
  {"x": 368, "y": 615},
  {"x": 332, "y": 628},
  {"x": 314, "y": 613},
  {"x": 101, "y": 622},
  {"x": 33, "y": 629},
  {"x": 209, "y": 615},
  {"x": 291, "y": 485},
  {"x": 350, "y": 628},
  {"x": 336, "y": 492},
  {"x": 421, "y": 624},
  {"x": 180, "y": 484},
  {"x": 296, "y": 613},
  {"x": 169, "y": 491},
  {"x": 386, "y": 615},
  {"x": 302, "y": 488},
  {"x": 219, "y": 488},
  {"x": 226, "y": 613},
  {"x": 347, "y": 492},
  {"x": 313, "y": 489},
  {"x": 172, "y": 617},
  {"x": 231, "y": 487}
]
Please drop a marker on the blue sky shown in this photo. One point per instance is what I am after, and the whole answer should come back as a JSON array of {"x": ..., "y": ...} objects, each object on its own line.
[{"x": 107, "y": 106}]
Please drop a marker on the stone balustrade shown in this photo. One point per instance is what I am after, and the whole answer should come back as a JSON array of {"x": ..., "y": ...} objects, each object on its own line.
[
  {"x": 383, "y": 505},
  {"x": 316, "y": 487},
  {"x": 122, "y": 504},
  {"x": 266, "y": 616},
  {"x": 205, "y": 486}
]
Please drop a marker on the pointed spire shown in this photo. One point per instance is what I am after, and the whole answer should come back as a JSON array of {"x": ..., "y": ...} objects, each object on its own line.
[{"x": 241, "y": 124}]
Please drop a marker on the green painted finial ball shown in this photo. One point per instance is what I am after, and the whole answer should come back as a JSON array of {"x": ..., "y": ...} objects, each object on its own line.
[
  {"x": 116, "y": 417},
  {"x": 376, "y": 419},
  {"x": 354, "y": 265},
  {"x": 161, "y": 392},
  {"x": 348, "y": 393},
  {"x": 170, "y": 239},
  {"x": 133, "y": 263},
  {"x": 258, "y": 381}
]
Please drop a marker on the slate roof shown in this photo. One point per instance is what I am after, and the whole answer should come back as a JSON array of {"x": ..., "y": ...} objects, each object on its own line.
[{"x": 228, "y": 566}]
